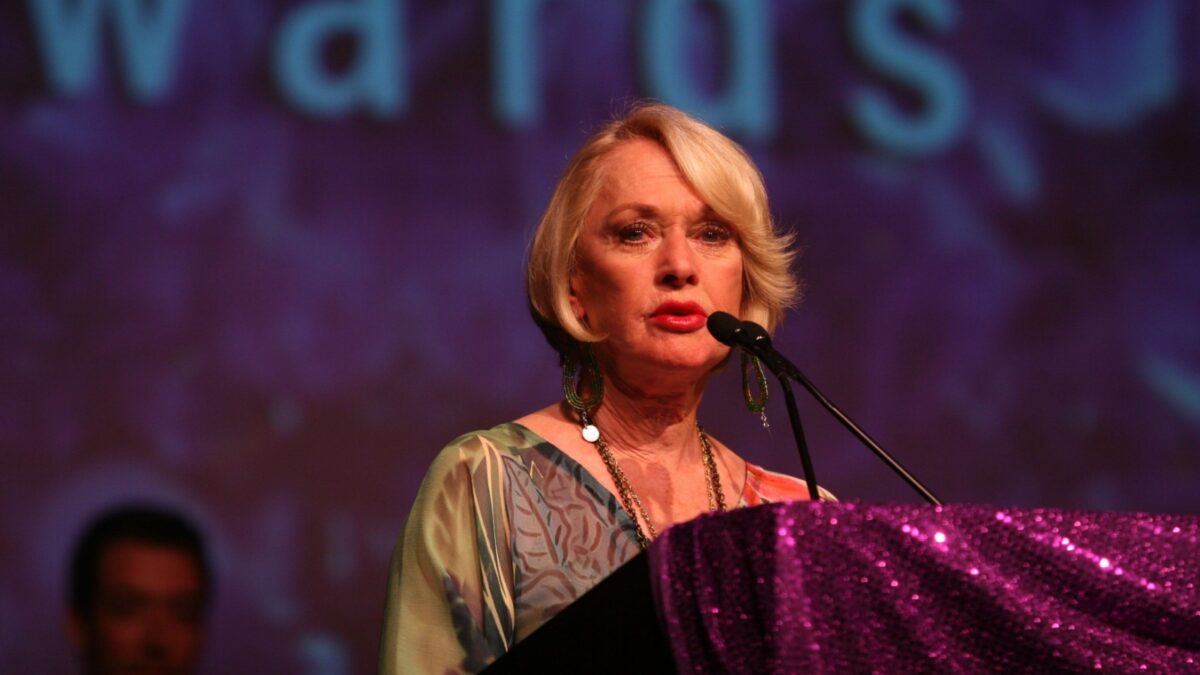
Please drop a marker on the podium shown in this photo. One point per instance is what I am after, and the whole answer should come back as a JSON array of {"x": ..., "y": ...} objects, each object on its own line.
[
  {"x": 613, "y": 628},
  {"x": 849, "y": 587}
]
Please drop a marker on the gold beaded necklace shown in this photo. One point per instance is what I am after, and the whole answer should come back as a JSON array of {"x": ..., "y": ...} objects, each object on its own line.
[{"x": 630, "y": 499}]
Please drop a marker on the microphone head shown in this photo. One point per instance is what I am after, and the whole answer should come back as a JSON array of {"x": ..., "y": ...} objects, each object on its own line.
[
  {"x": 724, "y": 327},
  {"x": 756, "y": 333}
]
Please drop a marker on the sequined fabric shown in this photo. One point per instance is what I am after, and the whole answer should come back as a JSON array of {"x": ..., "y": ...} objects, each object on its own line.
[{"x": 798, "y": 587}]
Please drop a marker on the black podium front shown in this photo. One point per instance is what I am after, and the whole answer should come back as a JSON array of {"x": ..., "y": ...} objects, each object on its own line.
[{"x": 613, "y": 628}]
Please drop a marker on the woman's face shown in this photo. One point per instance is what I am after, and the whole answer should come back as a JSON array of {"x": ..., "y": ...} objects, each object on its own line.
[{"x": 653, "y": 261}]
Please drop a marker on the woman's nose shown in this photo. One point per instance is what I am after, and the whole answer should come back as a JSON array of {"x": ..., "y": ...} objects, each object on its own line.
[{"x": 677, "y": 266}]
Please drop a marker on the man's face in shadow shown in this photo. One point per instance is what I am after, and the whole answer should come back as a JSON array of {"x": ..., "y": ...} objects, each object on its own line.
[{"x": 147, "y": 613}]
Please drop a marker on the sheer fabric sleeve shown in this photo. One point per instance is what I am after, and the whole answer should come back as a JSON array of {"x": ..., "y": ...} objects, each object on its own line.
[{"x": 450, "y": 582}]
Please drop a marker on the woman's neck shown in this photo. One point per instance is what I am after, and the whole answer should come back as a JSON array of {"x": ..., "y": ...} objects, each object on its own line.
[{"x": 650, "y": 422}]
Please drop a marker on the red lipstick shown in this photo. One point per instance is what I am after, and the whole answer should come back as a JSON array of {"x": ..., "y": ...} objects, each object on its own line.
[{"x": 681, "y": 317}]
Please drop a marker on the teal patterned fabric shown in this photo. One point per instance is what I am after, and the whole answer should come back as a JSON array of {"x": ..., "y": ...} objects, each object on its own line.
[{"x": 506, "y": 531}]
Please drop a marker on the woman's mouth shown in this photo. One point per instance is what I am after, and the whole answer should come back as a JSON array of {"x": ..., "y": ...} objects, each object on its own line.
[{"x": 681, "y": 317}]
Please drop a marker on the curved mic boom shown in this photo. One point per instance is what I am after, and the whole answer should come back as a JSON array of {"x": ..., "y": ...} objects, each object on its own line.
[{"x": 727, "y": 329}]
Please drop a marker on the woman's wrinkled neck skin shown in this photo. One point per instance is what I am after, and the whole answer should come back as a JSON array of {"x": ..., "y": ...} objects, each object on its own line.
[{"x": 650, "y": 414}]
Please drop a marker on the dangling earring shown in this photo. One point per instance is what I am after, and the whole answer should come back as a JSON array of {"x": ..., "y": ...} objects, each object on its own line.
[
  {"x": 758, "y": 405},
  {"x": 585, "y": 367}
]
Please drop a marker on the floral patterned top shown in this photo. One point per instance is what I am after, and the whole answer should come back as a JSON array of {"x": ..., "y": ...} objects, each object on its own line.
[{"x": 506, "y": 531}]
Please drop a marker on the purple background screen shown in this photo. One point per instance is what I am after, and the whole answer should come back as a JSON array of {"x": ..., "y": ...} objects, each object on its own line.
[{"x": 261, "y": 260}]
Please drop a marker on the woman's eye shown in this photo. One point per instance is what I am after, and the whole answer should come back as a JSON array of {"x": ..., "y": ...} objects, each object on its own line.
[
  {"x": 635, "y": 233},
  {"x": 715, "y": 233}
]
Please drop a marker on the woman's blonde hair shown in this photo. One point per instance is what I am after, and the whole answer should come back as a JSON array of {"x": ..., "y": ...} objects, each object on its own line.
[{"x": 720, "y": 172}]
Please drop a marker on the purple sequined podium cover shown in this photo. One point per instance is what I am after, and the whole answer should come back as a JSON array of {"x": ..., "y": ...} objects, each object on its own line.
[{"x": 800, "y": 587}]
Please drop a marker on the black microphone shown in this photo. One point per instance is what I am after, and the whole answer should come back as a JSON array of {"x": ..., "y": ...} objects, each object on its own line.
[
  {"x": 729, "y": 330},
  {"x": 757, "y": 335},
  {"x": 759, "y": 342},
  {"x": 755, "y": 338}
]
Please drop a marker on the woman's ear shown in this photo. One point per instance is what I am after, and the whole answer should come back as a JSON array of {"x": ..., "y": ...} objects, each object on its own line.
[{"x": 576, "y": 303}]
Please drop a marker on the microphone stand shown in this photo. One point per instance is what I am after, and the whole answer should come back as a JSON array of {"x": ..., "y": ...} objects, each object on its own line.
[
  {"x": 864, "y": 437},
  {"x": 785, "y": 369},
  {"x": 729, "y": 330},
  {"x": 810, "y": 477}
]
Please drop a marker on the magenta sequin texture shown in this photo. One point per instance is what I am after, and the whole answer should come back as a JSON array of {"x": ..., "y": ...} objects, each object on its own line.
[{"x": 798, "y": 587}]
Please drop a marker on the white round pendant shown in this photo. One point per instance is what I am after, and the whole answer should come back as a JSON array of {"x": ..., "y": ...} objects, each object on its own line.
[{"x": 591, "y": 434}]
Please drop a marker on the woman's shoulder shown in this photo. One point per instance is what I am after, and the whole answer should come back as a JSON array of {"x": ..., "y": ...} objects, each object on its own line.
[
  {"x": 479, "y": 460},
  {"x": 764, "y": 486},
  {"x": 508, "y": 440},
  {"x": 509, "y": 435}
]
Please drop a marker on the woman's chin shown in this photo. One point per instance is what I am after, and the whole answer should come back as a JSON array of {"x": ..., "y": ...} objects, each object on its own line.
[{"x": 696, "y": 363}]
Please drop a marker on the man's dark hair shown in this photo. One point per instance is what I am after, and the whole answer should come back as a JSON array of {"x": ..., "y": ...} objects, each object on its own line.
[{"x": 140, "y": 523}]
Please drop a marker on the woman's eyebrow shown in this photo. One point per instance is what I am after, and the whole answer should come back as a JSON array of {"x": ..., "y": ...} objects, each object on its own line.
[
  {"x": 647, "y": 210},
  {"x": 640, "y": 208}
]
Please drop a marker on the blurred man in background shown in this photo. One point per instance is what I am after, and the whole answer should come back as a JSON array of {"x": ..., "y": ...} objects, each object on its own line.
[{"x": 140, "y": 587}]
